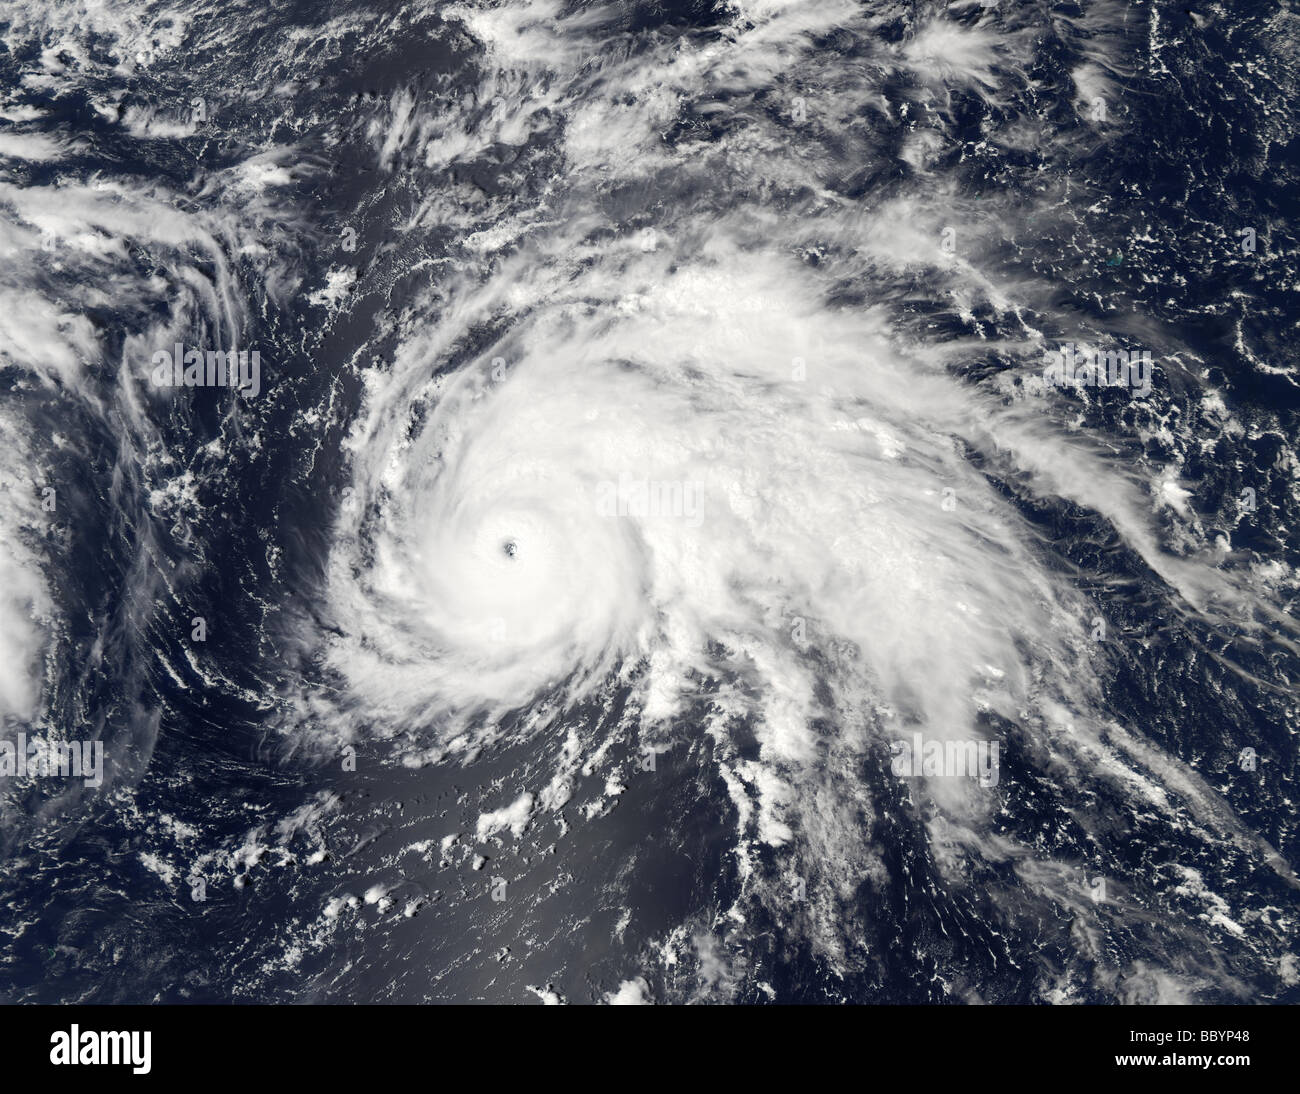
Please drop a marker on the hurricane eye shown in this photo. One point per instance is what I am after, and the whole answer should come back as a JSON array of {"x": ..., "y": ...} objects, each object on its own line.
[{"x": 510, "y": 547}]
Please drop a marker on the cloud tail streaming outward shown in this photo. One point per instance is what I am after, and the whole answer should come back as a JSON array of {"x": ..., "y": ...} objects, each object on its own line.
[{"x": 695, "y": 405}]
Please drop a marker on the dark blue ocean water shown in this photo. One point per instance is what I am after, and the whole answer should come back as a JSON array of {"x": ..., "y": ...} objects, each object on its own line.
[{"x": 212, "y": 776}]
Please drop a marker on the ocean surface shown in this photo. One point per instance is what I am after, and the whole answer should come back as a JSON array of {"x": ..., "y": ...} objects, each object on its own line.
[{"x": 549, "y": 502}]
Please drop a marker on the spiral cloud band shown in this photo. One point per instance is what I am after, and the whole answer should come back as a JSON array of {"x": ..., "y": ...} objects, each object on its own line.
[{"x": 740, "y": 502}]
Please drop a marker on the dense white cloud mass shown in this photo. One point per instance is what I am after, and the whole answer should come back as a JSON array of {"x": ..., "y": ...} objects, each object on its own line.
[{"x": 648, "y": 389}]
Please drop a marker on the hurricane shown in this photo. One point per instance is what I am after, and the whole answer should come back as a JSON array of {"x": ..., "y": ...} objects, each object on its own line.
[{"x": 571, "y": 502}]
